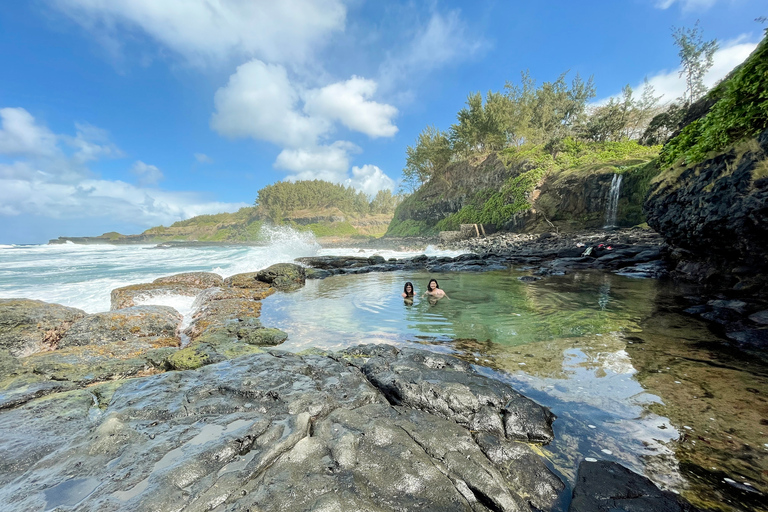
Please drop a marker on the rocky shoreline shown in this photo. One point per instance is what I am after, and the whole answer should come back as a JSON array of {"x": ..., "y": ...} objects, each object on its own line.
[{"x": 153, "y": 415}]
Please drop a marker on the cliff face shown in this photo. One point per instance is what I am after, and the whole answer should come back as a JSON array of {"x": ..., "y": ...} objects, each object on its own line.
[
  {"x": 567, "y": 195},
  {"x": 716, "y": 212}
]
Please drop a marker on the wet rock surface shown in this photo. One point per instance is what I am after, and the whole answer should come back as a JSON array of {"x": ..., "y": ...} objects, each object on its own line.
[
  {"x": 632, "y": 252},
  {"x": 450, "y": 388},
  {"x": 148, "y": 322},
  {"x": 270, "y": 431},
  {"x": 29, "y": 326},
  {"x": 604, "y": 486},
  {"x": 283, "y": 276}
]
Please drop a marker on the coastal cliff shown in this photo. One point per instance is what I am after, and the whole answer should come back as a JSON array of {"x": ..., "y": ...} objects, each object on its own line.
[{"x": 529, "y": 190}]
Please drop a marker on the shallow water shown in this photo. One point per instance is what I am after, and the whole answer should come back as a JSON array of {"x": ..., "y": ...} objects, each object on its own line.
[{"x": 630, "y": 379}]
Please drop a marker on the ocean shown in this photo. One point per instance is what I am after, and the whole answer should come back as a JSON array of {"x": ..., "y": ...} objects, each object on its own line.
[{"x": 82, "y": 276}]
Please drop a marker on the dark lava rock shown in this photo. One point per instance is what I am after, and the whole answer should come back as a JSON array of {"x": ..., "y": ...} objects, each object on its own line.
[
  {"x": 197, "y": 279},
  {"x": 450, "y": 388},
  {"x": 761, "y": 317},
  {"x": 283, "y": 276},
  {"x": 716, "y": 210},
  {"x": 123, "y": 325},
  {"x": 605, "y": 486},
  {"x": 519, "y": 463},
  {"x": 29, "y": 326},
  {"x": 751, "y": 339},
  {"x": 268, "y": 432},
  {"x": 315, "y": 273}
]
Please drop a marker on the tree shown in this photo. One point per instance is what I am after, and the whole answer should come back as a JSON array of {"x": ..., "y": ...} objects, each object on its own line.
[
  {"x": 431, "y": 153},
  {"x": 696, "y": 57}
]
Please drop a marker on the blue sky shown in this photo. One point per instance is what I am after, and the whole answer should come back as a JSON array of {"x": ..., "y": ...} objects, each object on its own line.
[{"x": 119, "y": 115}]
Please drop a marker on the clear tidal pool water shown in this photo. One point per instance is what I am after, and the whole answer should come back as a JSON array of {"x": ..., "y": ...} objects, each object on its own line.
[{"x": 629, "y": 378}]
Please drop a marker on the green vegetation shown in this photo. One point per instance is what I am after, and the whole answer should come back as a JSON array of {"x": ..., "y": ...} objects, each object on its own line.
[
  {"x": 696, "y": 57},
  {"x": 497, "y": 207},
  {"x": 741, "y": 111},
  {"x": 281, "y": 199},
  {"x": 324, "y": 208}
]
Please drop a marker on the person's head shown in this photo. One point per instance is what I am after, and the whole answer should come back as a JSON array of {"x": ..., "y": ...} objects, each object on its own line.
[
  {"x": 408, "y": 289},
  {"x": 433, "y": 288}
]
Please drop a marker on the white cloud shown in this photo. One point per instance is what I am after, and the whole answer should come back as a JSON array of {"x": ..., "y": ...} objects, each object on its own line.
[
  {"x": 210, "y": 30},
  {"x": 687, "y": 5},
  {"x": 20, "y": 134},
  {"x": 117, "y": 200},
  {"x": 670, "y": 86},
  {"x": 48, "y": 180},
  {"x": 260, "y": 102},
  {"x": 203, "y": 158},
  {"x": 370, "y": 179},
  {"x": 330, "y": 159},
  {"x": 146, "y": 174},
  {"x": 348, "y": 102},
  {"x": 92, "y": 143}
]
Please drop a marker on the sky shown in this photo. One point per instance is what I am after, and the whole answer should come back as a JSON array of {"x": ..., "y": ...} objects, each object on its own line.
[{"x": 120, "y": 115}]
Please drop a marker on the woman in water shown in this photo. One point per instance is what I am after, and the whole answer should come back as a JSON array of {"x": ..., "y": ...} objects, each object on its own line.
[
  {"x": 433, "y": 290},
  {"x": 408, "y": 290}
]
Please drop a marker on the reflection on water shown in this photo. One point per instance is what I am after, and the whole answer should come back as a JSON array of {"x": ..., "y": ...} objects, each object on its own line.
[{"x": 629, "y": 379}]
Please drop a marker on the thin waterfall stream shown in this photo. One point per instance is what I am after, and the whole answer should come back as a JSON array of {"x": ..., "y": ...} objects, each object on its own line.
[{"x": 612, "y": 206}]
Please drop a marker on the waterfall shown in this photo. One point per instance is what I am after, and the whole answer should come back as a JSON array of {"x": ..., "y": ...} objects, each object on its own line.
[{"x": 612, "y": 207}]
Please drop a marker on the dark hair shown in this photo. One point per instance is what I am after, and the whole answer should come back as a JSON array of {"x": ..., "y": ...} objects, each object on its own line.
[
  {"x": 405, "y": 289},
  {"x": 430, "y": 282}
]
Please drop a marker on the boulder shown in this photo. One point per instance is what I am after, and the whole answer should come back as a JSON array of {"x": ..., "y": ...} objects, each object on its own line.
[
  {"x": 137, "y": 322},
  {"x": 448, "y": 387},
  {"x": 283, "y": 276},
  {"x": 129, "y": 296},
  {"x": 29, "y": 326},
  {"x": 196, "y": 279},
  {"x": 605, "y": 486}
]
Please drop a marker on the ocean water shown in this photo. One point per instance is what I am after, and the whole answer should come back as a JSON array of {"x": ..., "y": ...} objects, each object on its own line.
[{"x": 83, "y": 276}]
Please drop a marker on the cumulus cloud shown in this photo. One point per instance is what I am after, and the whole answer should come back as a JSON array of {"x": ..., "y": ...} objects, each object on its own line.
[
  {"x": 331, "y": 159},
  {"x": 20, "y": 134},
  {"x": 92, "y": 143},
  {"x": 203, "y": 158},
  {"x": 118, "y": 200},
  {"x": 205, "y": 31},
  {"x": 48, "y": 180},
  {"x": 146, "y": 174},
  {"x": 348, "y": 102},
  {"x": 260, "y": 102},
  {"x": 370, "y": 179}
]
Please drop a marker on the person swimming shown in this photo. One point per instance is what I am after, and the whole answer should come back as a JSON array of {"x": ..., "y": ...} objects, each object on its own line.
[
  {"x": 408, "y": 290},
  {"x": 433, "y": 290}
]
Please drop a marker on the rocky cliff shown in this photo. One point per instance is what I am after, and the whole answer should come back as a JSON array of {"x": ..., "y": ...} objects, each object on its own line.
[
  {"x": 716, "y": 214},
  {"x": 528, "y": 190}
]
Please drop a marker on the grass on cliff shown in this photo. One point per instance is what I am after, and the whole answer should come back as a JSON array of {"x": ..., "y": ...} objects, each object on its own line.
[
  {"x": 740, "y": 112},
  {"x": 498, "y": 206}
]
